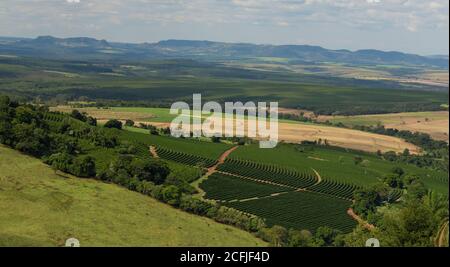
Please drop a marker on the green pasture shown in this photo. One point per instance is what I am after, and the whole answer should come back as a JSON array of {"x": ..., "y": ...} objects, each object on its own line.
[{"x": 42, "y": 208}]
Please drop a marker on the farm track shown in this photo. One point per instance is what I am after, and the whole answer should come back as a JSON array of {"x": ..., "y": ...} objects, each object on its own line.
[
  {"x": 259, "y": 181},
  {"x": 153, "y": 152},
  {"x": 319, "y": 178},
  {"x": 256, "y": 198},
  {"x": 355, "y": 216},
  {"x": 221, "y": 160},
  {"x": 212, "y": 170},
  {"x": 442, "y": 235},
  {"x": 297, "y": 189}
]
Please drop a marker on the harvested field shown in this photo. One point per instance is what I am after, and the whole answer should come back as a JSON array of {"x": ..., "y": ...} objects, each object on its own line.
[
  {"x": 292, "y": 132},
  {"x": 343, "y": 137},
  {"x": 433, "y": 123}
]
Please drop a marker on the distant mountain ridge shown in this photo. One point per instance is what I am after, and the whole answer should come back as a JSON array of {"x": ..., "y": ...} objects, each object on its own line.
[{"x": 90, "y": 48}]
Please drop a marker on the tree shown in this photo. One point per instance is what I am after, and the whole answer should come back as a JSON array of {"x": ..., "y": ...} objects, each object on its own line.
[
  {"x": 215, "y": 139},
  {"x": 113, "y": 124},
  {"x": 91, "y": 121},
  {"x": 153, "y": 129},
  {"x": 438, "y": 204},
  {"x": 129, "y": 123},
  {"x": 60, "y": 161},
  {"x": 171, "y": 195},
  {"x": 64, "y": 143},
  {"x": 413, "y": 225},
  {"x": 357, "y": 160},
  {"x": 5, "y": 127},
  {"x": 416, "y": 189},
  {"x": 298, "y": 238},
  {"x": 398, "y": 171},
  {"x": 83, "y": 166},
  {"x": 278, "y": 236},
  {"x": 26, "y": 114},
  {"x": 78, "y": 115},
  {"x": 409, "y": 179},
  {"x": 393, "y": 181},
  {"x": 366, "y": 201},
  {"x": 31, "y": 139},
  {"x": 152, "y": 170},
  {"x": 4, "y": 102},
  {"x": 406, "y": 152},
  {"x": 325, "y": 236}
]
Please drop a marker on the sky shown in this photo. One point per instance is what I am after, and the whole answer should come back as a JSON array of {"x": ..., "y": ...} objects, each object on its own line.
[{"x": 413, "y": 26}]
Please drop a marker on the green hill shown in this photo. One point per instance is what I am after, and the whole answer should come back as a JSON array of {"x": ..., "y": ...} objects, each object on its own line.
[{"x": 42, "y": 208}]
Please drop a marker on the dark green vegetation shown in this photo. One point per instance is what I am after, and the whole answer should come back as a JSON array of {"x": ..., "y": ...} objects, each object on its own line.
[
  {"x": 273, "y": 174},
  {"x": 275, "y": 193},
  {"x": 340, "y": 165},
  {"x": 225, "y": 187},
  {"x": 184, "y": 158},
  {"x": 293, "y": 195},
  {"x": 186, "y": 146},
  {"x": 334, "y": 188},
  {"x": 162, "y": 82},
  {"x": 300, "y": 210},
  {"x": 74, "y": 146},
  {"x": 279, "y": 204}
]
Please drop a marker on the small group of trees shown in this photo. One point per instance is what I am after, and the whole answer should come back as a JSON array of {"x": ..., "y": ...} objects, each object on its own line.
[
  {"x": 295, "y": 117},
  {"x": 324, "y": 236},
  {"x": 83, "y": 166},
  {"x": 154, "y": 130},
  {"x": 128, "y": 167},
  {"x": 83, "y": 117},
  {"x": 23, "y": 127},
  {"x": 412, "y": 222},
  {"x": 113, "y": 124}
]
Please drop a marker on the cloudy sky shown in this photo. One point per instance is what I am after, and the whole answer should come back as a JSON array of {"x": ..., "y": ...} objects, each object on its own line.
[{"x": 417, "y": 26}]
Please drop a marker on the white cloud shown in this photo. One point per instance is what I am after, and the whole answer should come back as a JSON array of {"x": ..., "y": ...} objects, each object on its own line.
[{"x": 377, "y": 16}]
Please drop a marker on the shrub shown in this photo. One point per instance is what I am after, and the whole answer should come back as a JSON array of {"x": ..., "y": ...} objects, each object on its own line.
[
  {"x": 83, "y": 166},
  {"x": 113, "y": 124}
]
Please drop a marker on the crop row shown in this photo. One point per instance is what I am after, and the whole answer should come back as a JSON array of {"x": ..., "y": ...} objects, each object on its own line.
[
  {"x": 184, "y": 158},
  {"x": 395, "y": 194},
  {"x": 54, "y": 117},
  {"x": 334, "y": 188},
  {"x": 300, "y": 210},
  {"x": 226, "y": 187},
  {"x": 268, "y": 173},
  {"x": 441, "y": 178}
]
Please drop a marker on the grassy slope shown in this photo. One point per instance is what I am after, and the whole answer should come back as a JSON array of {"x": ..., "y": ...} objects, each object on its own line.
[{"x": 40, "y": 208}]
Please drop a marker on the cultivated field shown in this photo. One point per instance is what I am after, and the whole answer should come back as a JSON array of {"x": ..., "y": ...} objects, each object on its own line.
[
  {"x": 162, "y": 82},
  {"x": 289, "y": 131},
  {"x": 436, "y": 124},
  {"x": 42, "y": 208},
  {"x": 334, "y": 164},
  {"x": 347, "y": 138}
]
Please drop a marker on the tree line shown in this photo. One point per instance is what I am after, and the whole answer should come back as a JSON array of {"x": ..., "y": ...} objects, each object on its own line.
[{"x": 62, "y": 145}]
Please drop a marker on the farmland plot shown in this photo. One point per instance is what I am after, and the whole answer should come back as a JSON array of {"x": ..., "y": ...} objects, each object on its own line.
[{"x": 300, "y": 210}]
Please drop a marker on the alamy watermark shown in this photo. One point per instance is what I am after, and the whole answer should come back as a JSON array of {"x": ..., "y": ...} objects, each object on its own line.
[{"x": 237, "y": 119}]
